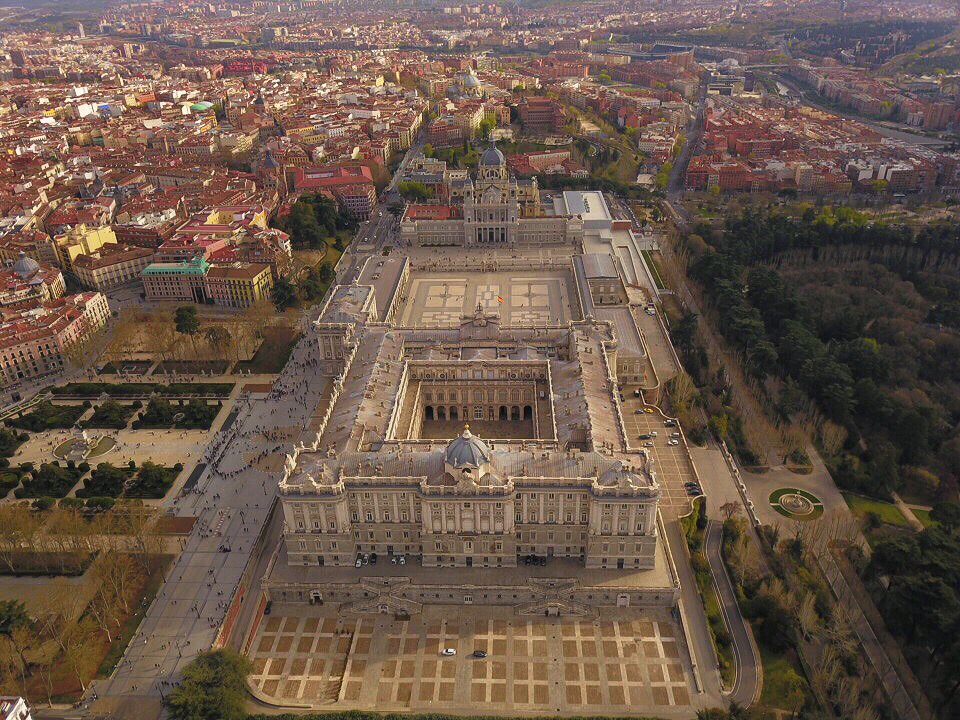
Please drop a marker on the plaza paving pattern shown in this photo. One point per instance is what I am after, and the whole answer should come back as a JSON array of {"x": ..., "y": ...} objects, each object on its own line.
[
  {"x": 437, "y": 299},
  {"x": 636, "y": 664}
]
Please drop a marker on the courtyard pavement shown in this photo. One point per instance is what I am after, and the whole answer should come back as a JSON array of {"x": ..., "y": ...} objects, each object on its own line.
[
  {"x": 440, "y": 299},
  {"x": 631, "y": 662}
]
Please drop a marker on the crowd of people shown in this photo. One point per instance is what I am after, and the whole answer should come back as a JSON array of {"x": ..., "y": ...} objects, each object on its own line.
[{"x": 260, "y": 429}]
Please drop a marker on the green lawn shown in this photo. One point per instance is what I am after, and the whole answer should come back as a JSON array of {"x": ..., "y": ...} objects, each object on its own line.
[
  {"x": 648, "y": 258},
  {"x": 924, "y": 517},
  {"x": 784, "y": 682},
  {"x": 887, "y": 512},
  {"x": 711, "y": 603}
]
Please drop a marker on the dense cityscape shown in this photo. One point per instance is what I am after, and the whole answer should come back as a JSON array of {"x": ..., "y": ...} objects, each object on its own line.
[{"x": 494, "y": 359}]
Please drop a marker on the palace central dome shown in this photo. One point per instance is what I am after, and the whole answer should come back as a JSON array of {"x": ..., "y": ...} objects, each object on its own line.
[{"x": 467, "y": 450}]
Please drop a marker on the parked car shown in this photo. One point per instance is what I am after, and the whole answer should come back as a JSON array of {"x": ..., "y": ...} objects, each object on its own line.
[
  {"x": 373, "y": 558},
  {"x": 645, "y": 436},
  {"x": 648, "y": 443},
  {"x": 448, "y": 652},
  {"x": 403, "y": 559},
  {"x": 359, "y": 563},
  {"x": 673, "y": 442},
  {"x": 670, "y": 423},
  {"x": 268, "y": 607},
  {"x": 479, "y": 654}
]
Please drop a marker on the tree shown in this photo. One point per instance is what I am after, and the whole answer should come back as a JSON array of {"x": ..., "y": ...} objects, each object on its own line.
[
  {"x": 327, "y": 274},
  {"x": 284, "y": 294},
  {"x": 213, "y": 688},
  {"x": 13, "y": 614},
  {"x": 76, "y": 651},
  {"x": 312, "y": 284},
  {"x": 731, "y": 508},
  {"x": 414, "y": 191},
  {"x": 187, "y": 322},
  {"x": 219, "y": 339},
  {"x": 895, "y": 555},
  {"x": 947, "y": 514}
]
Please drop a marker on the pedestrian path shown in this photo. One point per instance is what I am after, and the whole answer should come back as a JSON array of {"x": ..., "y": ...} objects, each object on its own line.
[{"x": 232, "y": 499}]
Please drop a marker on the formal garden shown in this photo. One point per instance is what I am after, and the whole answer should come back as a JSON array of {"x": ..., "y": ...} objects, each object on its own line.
[
  {"x": 76, "y": 620},
  {"x": 47, "y": 416},
  {"x": 149, "y": 481},
  {"x": 112, "y": 415},
  {"x": 49, "y": 480},
  {"x": 191, "y": 415}
]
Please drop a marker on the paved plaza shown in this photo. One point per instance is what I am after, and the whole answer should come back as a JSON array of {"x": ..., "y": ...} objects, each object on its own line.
[
  {"x": 632, "y": 662},
  {"x": 440, "y": 299},
  {"x": 232, "y": 501}
]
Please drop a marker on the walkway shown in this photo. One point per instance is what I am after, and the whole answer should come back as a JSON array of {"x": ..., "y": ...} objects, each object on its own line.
[
  {"x": 899, "y": 698},
  {"x": 232, "y": 501}
]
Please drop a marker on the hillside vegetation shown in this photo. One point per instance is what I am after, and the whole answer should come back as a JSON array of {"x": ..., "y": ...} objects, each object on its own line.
[{"x": 850, "y": 328}]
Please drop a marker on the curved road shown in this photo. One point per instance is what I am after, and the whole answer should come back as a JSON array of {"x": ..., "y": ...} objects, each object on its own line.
[{"x": 747, "y": 686}]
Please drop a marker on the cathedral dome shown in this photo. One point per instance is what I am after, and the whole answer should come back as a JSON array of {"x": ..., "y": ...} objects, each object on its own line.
[
  {"x": 25, "y": 267},
  {"x": 492, "y": 156},
  {"x": 467, "y": 450}
]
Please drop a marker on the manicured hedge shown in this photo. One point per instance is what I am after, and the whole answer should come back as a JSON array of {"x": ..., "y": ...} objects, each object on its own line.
[
  {"x": 194, "y": 414},
  {"x": 111, "y": 415},
  {"x": 94, "y": 389},
  {"x": 49, "y": 480},
  {"x": 47, "y": 416}
]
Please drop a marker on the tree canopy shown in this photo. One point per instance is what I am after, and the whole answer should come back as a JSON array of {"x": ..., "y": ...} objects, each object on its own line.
[{"x": 213, "y": 688}]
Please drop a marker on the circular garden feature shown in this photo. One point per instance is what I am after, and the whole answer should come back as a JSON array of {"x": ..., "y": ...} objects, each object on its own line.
[{"x": 796, "y": 504}]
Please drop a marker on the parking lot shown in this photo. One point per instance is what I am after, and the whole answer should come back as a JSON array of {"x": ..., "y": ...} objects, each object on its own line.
[
  {"x": 671, "y": 463},
  {"x": 632, "y": 663}
]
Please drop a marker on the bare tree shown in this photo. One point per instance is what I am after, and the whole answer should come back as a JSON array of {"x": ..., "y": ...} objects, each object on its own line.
[
  {"x": 807, "y": 616},
  {"x": 104, "y": 607},
  {"x": 731, "y": 508},
  {"x": 43, "y": 666},
  {"x": 77, "y": 654},
  {"x": 832, "y": 437},
  {"x": 19, "y": 527},
  {"x": 119, "y": 573}
]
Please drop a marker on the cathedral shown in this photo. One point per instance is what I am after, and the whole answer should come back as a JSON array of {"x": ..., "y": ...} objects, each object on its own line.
[{"x": 497, "y": 211}]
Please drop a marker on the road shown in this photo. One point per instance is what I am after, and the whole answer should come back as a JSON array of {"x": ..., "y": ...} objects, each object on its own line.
[
  {"x": 383, "y": 228},
  {"x": 415, "y": 149},
  {"x": 694, "y": 134},
  {"x": 746, "y": 687}
]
